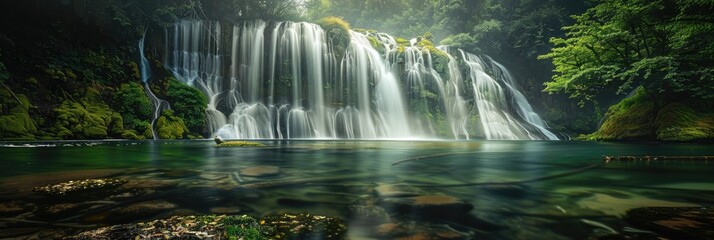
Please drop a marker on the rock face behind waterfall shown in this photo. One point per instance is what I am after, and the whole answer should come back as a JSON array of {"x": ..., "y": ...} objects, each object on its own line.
[{"x": 274, "y": 80}]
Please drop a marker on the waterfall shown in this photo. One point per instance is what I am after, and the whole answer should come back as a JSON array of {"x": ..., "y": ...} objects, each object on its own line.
[
  {"x": 275, "y": 80},
  {"x": 159, "y": 105}
]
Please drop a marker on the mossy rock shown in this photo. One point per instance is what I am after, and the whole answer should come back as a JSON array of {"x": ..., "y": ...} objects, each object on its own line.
[
  {"x": 240, "y": 144},
  {"x": 305, "y": 226},
  {"x": 17, "y": 124},
  {"x": 169, "y": 126},
  {"x": 338, "y": 31},
  {"x": 185, "y": 227},
  {"x": 679, "y": 122},
  {"x": 284, "y": 226},
  {"x": 86, "y": 119},
  {"x": 629, "y": 119},
  {"x": 78, "y": 186},
  {"x": 632, "y": 118}
]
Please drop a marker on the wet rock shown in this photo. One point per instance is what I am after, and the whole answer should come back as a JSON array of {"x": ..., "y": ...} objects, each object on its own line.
[
  {"x": 613, "y": 204},
  {"x": 77, "y": 186},
  {"x": 419, "y": 231},
  {"x": 675, "y": 222},
  {"x": 183, "y": 227},
  {"x": 179, "y": 173},
  {"x": 368, "y": 213},
  {"x": 395, "y": 190},
  {"x": 428, "y": 206},
  {"x": 26, "y": 183},
  {"x": 145, "y": 209},
  {"x": 305, "y": 226},
  {"x": 147, "y": 184},
  {"x": 212, "y": 176},
  {"x": 63, "y": 209},
  {"x": 16, "y": 233},
  {"x": 246, "y": 193},
  {"x": 260, "y": 171},
  {"x": 13, "y": 208}
]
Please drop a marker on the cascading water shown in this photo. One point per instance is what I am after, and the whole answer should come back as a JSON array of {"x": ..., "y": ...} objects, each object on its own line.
[
  {"x": 285, "y": 80},
  {"x": 159, "y": 105}
]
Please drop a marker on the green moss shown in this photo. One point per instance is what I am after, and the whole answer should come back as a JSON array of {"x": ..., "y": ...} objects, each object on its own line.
[
  {"x": 89, "y": 118},
  {"x": 15, "y": 120},
  {"x": 245, "y": 227},
  {"x": 629, "y": 119},
  {"x": 169, "y": 126},
  {"x": 338, "y": 31},
  {"x": 240, "y": 144},
  {"x": 131, "y": 134},
  {"x": 677, "y": 121}
]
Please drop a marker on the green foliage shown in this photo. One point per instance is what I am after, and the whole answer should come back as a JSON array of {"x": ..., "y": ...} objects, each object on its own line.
[
  {"x": 188, "y": 104},
  {"x": 461, "y": 40},
  {"x": 617, "y": 46},
  {"x": 169, "y": 126},
  {"x": 338, "y": 33},
  {"x": 134, "y": 106}
]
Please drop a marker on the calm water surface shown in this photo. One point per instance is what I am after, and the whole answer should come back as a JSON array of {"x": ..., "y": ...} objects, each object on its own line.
[{"x": 501, "y": 179}]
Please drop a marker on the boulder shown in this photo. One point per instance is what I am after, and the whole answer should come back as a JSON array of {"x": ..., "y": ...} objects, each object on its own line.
[
  {"x": 428, "y": 206},
  {"x": 395, "y": 190},
  {"x": 675, "y": 222},
  {"x": 260, "y": 171}
]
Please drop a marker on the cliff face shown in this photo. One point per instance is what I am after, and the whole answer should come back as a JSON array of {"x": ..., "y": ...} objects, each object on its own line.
[{"x": 66, "y": 76}]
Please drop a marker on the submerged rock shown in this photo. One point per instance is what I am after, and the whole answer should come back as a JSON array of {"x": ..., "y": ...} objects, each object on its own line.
[
  {"x": 395, "y": 190},
  {"x": 132, "y": 212},
  {"x": 419, "y": 231},
  {"x": 26, "y": 183},
  {"x": 675, "y": 222},
  {"x": 428, "y": 206},
  {"x": 260, "y": 171},
  {"x": 81, "y": 185},
  {"x": 15, "y": 207},
  {"x": 134, "y": 184},
  {"x": 212, "y": 176},
  {"x": 368, "y": 213},
  {"x": 179, "y": 173},
  {"x": 200, "y": 197}
]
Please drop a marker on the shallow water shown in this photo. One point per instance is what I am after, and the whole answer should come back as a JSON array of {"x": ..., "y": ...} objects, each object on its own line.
[{"x": 503, "y": 182}]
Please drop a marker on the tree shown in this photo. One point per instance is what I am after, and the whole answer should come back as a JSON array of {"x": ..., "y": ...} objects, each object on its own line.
[{"x": 617, "y": 46}]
